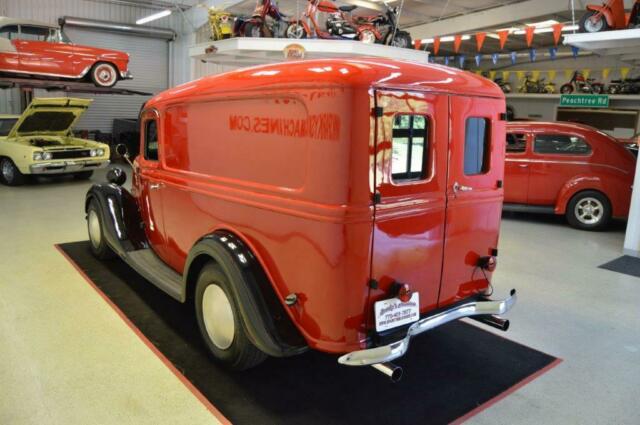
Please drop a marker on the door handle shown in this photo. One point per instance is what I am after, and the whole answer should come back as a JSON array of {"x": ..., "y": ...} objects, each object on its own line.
[
  {"x": 457, "y": 187},
  {"x": 155, "y": 186},
  {"x": 523, "y": 165}
]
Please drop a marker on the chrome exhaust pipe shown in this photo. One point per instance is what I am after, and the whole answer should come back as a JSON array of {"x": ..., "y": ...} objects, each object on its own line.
[
  {"x": 392, "y": 371},
  {"x": 494, "y": 321}
]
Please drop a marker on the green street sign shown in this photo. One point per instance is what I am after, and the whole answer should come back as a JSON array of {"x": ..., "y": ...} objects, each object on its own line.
[{"x": 585, "y": 100}]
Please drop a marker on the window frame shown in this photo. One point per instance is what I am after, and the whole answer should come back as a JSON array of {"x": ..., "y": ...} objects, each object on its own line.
[
  {"x": 487, "y": 145},
  {"x": 32, "y": 26},
  {"x": 535, "y": 152},
  {"x": 145, "y": 145},
  {"x": 17, "y": 31},
  {"x": 424, "y": 174}
]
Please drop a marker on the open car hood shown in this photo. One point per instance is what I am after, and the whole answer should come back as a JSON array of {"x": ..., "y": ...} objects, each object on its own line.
[{"x": 50, "y": 116}]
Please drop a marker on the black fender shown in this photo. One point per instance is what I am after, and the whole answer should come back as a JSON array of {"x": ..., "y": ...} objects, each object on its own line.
[
  {"x": 123, "y": 226},
  {"x": 267, "y": 323}
]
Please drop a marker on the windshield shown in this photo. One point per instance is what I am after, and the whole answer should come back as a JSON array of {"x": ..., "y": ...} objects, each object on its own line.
[
  {"x": 6, "y": 124},
  {"x": 47, "y": 121}
]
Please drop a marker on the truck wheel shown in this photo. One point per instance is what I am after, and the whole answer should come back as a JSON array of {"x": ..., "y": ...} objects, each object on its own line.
[
  {"x": 95, "y": 223},
  {"x": 104, "y": 75},
  {"x": 219, "y": 320},
  {"x": 83, "y": 175},
  {"x": 589, "y": 210},
  {"x": 9, "y": 173}
]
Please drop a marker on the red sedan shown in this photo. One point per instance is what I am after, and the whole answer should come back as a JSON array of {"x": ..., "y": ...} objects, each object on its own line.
[
  {"x": 567, "y": 168},
  {"x": 39, "y": 49}
]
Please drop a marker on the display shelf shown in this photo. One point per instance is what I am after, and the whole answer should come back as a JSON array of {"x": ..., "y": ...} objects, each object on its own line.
[
  {"x": 243, "y": 51},
  {"x": 622, "y": 43},
  {"x": 556, "y": 96},
  {"x": 66, "y": 86}
]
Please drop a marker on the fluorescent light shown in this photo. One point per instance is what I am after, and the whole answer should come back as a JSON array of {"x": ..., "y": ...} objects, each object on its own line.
[{"x": 153, "y": 17}]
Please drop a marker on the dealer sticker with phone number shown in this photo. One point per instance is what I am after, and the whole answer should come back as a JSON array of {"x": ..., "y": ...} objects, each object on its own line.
[{"x": 393, "y": 312}]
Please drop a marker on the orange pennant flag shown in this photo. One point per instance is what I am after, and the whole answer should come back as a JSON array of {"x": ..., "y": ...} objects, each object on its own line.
[
  {"x": 417, "y": 44},
  {"x": 528, "y": 32},
  {"x": 480, "y": 40},
  {"x": 503, "y": 37},
  {"x": 557, "y": 32},
  {"x": 457, "y": 41},
  {"x": 436, "y": 45}
]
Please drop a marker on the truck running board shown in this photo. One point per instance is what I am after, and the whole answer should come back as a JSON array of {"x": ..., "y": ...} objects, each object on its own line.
[{"x": 152, "y": 268}]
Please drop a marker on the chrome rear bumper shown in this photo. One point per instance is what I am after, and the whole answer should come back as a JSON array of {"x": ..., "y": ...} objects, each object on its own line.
[
  {"x": 387, "y": 353},
  {"x": 67, "y": 166}
]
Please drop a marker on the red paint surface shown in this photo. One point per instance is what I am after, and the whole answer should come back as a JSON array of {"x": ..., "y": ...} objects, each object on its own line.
[
  {"x": 304, "y": 204},
  {"x": 553, "y": 179}
]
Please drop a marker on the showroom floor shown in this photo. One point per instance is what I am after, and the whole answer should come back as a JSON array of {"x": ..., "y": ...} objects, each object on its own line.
[{"x": 67, "y": 358}]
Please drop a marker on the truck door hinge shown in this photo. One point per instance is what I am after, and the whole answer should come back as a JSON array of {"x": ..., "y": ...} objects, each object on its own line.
[
  {"x": 503, "y": 116},
  {"x": 373, "y": 284},
  {"x": 378, "y": 111},
  {"x": 377, "y": 198}
]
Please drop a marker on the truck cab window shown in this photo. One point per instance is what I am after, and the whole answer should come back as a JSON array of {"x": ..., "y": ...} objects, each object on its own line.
[
  {"x": 151, "y": 140},
  {"x": 561, "y": 144},
  {"x": 410, "y": 147},
  {"x": 476, "y": 146},
  {"x": 516, "y": 142}
]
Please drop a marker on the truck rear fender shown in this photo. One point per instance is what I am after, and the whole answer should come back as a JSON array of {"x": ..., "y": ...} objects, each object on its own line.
[{"x": 268, "y": 324}]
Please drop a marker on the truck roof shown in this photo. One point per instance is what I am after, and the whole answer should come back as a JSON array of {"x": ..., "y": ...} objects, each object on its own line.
[{"x": 356, "y": 72}]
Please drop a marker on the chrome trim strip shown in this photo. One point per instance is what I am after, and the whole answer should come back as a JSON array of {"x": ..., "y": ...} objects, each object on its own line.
[
  {"x": 59, "y": 167},
  {"x": 387, "y": 353},
  {"x": 548, "y": 161}
]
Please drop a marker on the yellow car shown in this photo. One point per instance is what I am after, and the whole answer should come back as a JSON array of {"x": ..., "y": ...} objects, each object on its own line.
[{"x": 40, "y": 142}]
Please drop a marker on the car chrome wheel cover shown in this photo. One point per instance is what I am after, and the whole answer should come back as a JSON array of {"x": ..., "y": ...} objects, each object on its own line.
[
  {"x": 591, "y": 26},
  {"x": 367, "y": 37},
  {"x": 93, "y": 223},
  {"x": 7, "y": 171},
  {"x": 217, "y": 315},
  {"x": 589, "y": 211},
  {"x": 105, "y": 75}
]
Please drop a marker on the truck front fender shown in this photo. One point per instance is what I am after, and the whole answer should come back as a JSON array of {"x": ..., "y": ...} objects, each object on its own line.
[{"x": 573, "y": 186}]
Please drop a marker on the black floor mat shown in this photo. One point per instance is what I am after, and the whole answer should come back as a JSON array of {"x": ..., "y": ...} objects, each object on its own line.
[
  {"x": 625, "y": 264},
  {"x": 448, "y": 372}
]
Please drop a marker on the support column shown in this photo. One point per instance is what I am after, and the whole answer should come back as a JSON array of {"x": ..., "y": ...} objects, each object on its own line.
[{"x": 632, "y": 236}]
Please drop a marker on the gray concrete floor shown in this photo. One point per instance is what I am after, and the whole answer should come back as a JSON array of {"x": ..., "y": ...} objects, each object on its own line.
[{"x": 67, "y": 358}]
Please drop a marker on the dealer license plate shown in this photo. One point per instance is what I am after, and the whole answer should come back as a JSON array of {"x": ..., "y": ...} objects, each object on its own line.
[{"x": 392, "y": 313}]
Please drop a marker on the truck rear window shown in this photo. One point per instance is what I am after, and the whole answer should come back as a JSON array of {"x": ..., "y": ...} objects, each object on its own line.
[
  {"x": 476, "y": 146},
  {"x": 410, "y": 147}
]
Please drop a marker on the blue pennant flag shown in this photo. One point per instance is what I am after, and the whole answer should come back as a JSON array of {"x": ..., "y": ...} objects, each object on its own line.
[
  {"x": 532, "y": 55},
  {"x": 553, "y": 52},
  {"x": 514, "y": 57},
  {"x": 446, "y": 60},
  {"x": 494, "y": 58},
  {"x": 575, "y": 51},
  {"x": 461, "y": 60},
  {"x": 478, "y": 59},
  {"x": 432, "y": 59}
]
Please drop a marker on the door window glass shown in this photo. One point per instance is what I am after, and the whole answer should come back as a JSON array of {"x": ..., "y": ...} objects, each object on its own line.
[
  {"x": 410, "y": 147},
  {"x": 561, "y": 144},
  {"x": 33, "y": 33},
  {"x": 516, "y": 143},
  {"x": 10, "y": 32},
  {"x": 151, "y": 140},
  {"x": 476, "y": 146}
]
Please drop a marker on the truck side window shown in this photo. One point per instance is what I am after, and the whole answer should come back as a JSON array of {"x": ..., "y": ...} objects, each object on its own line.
[
  {"x": 476, "y": 146},
  {"x": 516, "y": 143},
  {"x": 561, "y": 144},
  {"x": 410, "y": 147},
  {"x": 151, "y": 140}
]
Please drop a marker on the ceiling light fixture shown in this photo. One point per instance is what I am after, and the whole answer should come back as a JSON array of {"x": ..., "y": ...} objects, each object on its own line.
[{"x": 154, "y": 16}]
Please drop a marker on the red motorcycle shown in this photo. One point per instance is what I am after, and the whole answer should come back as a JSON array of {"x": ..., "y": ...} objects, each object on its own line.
[
  {"x": 610, "y": 15},
  {"x": 582, "y": 85},
  {"x": 266, "y": 21},
  {"x": 381, "y": 28}
]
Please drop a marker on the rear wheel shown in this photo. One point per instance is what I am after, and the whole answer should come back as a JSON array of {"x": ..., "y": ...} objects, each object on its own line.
[
  {"x": 95, "y": 226},
  {"x": 400, "y": 39},
  {"x": 597, "y": 88},
  {"x": 10, "y": 174},
  {"x": 252, "y": 29},
  {"x": 367, "y": 36},
  {"x": 104, "y": 75},
  {"x": 220, "y": 323},
  {"x": 589, "y": 210},
  {"x": 566, "y": 89},
  {"x": 592, "y": 23},
  {"x": 296, "y": 30}
]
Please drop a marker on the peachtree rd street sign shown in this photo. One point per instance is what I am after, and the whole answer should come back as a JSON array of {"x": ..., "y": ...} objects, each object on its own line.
[{"x": 585, "y": 100}]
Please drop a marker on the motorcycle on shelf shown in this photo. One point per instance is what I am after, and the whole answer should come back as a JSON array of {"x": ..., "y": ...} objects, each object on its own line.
[
  {"x": 340, "y": 24},
  {"x": 610, "y": 15},
  {"x": 504, "y": 85},
  {"x": 529, "y": 85},
  {"x": 579, "y": 84},
  {"x": 625, "y": 86},
  {"x": 266, "y": 21},
  {"x": 220, "y": 24}
]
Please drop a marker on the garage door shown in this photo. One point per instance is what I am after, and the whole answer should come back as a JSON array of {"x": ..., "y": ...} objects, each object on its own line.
[{"x": 149, "y": 64}]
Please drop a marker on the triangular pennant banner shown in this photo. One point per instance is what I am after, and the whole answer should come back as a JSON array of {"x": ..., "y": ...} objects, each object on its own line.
[
  {"x": 514, "y": 57},
  {"x": 461, "y": 60},
  {"x": 492, "y": 74},
  {"x": 586, "y": 73},
  {"x": 624, "y": 72},
  {"x": 520, "y": 75},
  {"x": 528, "y": 34},
  {"x": 551, "y": 74},
  {"x": 505, "y": 75},
  {"x": 417, "y": 44},
  {"x": 532, "y": 54},
  {"x": 535, "y": 74},
  {"x": 480, "y": 36},
  {"x": 446, "y": 60},
  {"x": 574, "y": 51},
  {"x": 457, "y": 41},
  {"x": 605, "y": 73},
  {"x": 478, "y": 59},
  {"x": 503, "y": 35},
  {"x": 557, "y": 32},
  {"x": 494, "y": 58},
  {"x": 568, "y": 73},
  {"x": 436, "y": 45},
  {"x": 553, "y": 53}
]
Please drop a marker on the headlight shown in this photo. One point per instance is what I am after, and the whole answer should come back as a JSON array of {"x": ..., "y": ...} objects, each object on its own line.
[
  {"x": 93, "y": 152},
  {"x": 37, "y": 156},
  {"x": 46, "y": 156},
  {"x": 99, "y": 152}
]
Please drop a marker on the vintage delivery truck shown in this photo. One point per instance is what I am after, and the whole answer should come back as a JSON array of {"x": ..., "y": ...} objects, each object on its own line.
[{"x": 346, "y": 205}]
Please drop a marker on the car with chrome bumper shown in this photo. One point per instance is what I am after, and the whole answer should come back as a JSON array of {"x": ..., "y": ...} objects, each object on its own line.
[{"x": 40, "y": 142}]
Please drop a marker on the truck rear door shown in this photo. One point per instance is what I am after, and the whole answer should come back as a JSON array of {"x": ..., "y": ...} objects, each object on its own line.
[
  {"x": 474, "y": 194},
  {"x": 410, "y": 182}
]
